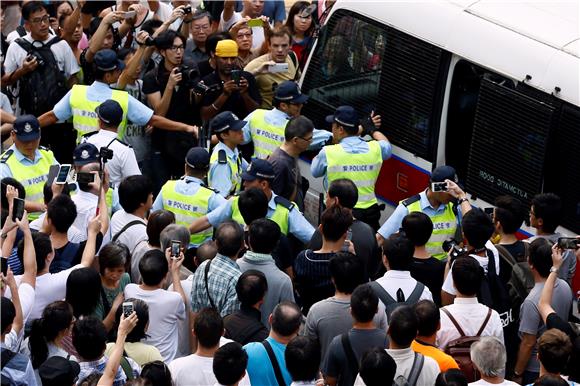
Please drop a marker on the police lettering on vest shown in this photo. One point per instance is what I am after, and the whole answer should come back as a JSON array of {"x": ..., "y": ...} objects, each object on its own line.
[{"x": 266, "y": 137}]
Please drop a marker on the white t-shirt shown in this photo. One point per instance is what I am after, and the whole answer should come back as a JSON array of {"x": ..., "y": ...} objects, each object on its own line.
[
  {"x": 192, "y": 370},
  {"x": 183, "y": 325},
  {"x": 505, "y": 382},
  {"x": 132, "y": 235},
  {"x": 166, "y": 308},
  {"x": 86, "y": 204},
  {"x": 257, "y": 32}
]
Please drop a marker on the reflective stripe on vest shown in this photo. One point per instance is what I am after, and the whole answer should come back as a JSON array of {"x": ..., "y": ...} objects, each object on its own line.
[
  {"x": 266, "y": 137},
  {"x": 85, "y": 118},
  {"x": 444, "y": 228},
  {"x": 235, "y": 168},
  {"x": 32, "y": 177},
  {"x": 363, "y": 169},
  {"x": 280, "y": 216},
  {"x": 188, "y": 208}
]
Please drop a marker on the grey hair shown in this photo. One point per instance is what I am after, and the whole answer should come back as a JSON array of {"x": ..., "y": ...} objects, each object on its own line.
[
  {"x": 174, "y": 232},
  {"x": 489, "y": 355}
]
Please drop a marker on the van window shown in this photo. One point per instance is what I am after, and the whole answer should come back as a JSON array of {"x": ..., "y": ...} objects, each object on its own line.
[{"x": 370, "y": 66}]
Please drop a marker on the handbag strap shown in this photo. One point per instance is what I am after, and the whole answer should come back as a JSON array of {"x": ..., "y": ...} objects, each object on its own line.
[
  {"x": 275, "y": 364},
  {"x": 416, "y": 369},
  {"x": 350, "y": 355},
  {"x": 454, "y": 321},
  {"x": 206, "y": 272}
]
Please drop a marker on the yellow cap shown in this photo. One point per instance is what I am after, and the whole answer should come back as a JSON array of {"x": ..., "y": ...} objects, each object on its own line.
[{"x": 226, "y": 49}]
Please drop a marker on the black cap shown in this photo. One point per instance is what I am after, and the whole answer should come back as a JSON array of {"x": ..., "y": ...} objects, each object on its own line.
[
  {"x": 344, "y": 116},
  {"x": 226, "y": 120},
  {"x": 197, "y": 158},
  {"x": 442, "y": 173},
  {"x": 85, "y": 153},
  {"x": 289, "y": 92},
  {"x": 106, "y": 60},
  {"x": 259, "y": 169},
  {"x": 110, "y": 112},
  {"x": 58, "y": 371},
  {"x": 27, "y": 128}
]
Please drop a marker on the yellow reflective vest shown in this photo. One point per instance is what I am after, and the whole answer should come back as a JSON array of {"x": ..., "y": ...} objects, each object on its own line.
[
  {"x": 280, "y": 216},
  {"x": 235, "y": 168},
  {"x": 266, "y": 137}
]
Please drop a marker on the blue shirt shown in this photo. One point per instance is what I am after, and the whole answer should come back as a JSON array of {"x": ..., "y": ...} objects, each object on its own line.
[
  {"x": 220, "y": 175},
  {"x": 19, "y": 370},
  {"x": 352, "y": 145},
  {"x": 137, "y": 113},
  {"x": 297, "y": 224},
  {"x": 5, "y": 170},
  {"x": 259, "y": 366}
]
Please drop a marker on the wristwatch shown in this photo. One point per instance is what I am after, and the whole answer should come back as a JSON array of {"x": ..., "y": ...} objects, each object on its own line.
[
  {"x": 553, "y": 269},
  {"x": 3, "y": 235},
  {"x": 462, "y": 200}
]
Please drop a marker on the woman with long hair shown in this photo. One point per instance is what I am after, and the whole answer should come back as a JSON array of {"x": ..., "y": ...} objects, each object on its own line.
[{"x": 301, "y": 26}]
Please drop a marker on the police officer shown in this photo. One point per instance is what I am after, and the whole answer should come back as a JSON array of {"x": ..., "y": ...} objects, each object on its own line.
[
  {"x": 353, "y": 158},
  {"x": 266, "y": 127},
  {"x": 80, "y": 102},
  {"x": 260, "y": 174},
  {"x": 438, "y": 205},
  {"x": 27, "y": 162},
  {"x": 226, "y": 162},
  {"x": 124, "y": 163},
  {"x": 189, "y": 198}
]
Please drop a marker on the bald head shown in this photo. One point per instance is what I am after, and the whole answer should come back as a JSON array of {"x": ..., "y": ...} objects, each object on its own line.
[{"x": 286, "y": 319}]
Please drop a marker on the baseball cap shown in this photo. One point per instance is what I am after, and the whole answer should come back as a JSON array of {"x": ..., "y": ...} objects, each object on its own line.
[
  {"x": 27, "y": 128},
  {"x": 259, "y": 168},
  {"x": 345, "y": 116},
  {"x": 442, "y": 173},
  {"x": 226, "y": 49},
  {"x": 106, "y": 60},
  {"x": 58, "y": 371},
  {"x": 85, "y": 153},
  {"x": 110, "y": 112},
  {"x": 226, "y": 120},
  {"x": 197, "y": 158},
  {"x": 289, "y": 91}
]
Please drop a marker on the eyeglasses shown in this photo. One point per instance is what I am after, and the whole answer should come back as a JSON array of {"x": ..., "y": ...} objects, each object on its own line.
[
  {"x": 306, "y": 139},
  {"x": 177, "y": 48},
  {"x": 38, "y": 20},
  {"x": 198, "y": 28}
]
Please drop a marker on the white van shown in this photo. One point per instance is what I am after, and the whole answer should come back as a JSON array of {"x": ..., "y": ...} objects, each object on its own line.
[{"x": 489, "y": 87}]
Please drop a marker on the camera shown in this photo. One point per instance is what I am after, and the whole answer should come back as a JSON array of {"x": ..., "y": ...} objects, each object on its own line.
[
  {"x": 105, "y": 154},
  {"x": 456, "y": 250},
  {"x": 149, "y": 42},
  {"x": 188, "y": 75},
  {"x": 38, "y": 58},
  {"x": 187, "y": 10},
  {"x": 200, "y": 88}
]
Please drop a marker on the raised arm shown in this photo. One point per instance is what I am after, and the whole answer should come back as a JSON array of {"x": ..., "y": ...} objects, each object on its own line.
[
  {"x": 29, "y": 255},
  {"x": 174, "y": 266},
  {"x": 71, "y": 21},
  {"x": 9, "y": 280},
  {"x": 125, "y": 327},
  {"x": 91, "y": 246},
  {"x": 135, "y": 60},
  {"x": 545, "y": 304},
  {"x": 96, "y": 41}
]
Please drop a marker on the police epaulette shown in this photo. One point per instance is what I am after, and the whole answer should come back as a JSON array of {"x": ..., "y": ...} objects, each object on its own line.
[
  {"x": 411, "y": 200},
  {"x": 6, "y": 155},
  {"x": 87, "y": 135},
  {"x": 43, "y": 148},
  {"x": 284, "y": 202},
  {"x": 222, "y": 157},
  {"x": 209, "y": 187}
]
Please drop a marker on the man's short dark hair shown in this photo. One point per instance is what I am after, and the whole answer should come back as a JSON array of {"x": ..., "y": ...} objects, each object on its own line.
[
  {"x": 42, "y": 248},
  {"x": 142, "y": 310},
  {"x": 286, "y": 318},
  {"x": 510, "y": 213},
  {"x": 548, "y": 207},
  {"x": 451, "y": 377},
  {"x": 229, "y": 238},
  {"x": 113, "y": 255},
  {"x": 403, "y": 326},
  {"x": 165, "y": 39},
  {"x": 364, "y": 303},
  {"x": 298, "y": 127},
  {"x": 428, "y": 316},
  {"x": 206, "y": 251},
  {"x": 377, "y": 368},
  {"x": 208, "y": 327},
  {"x": 302, "y": 358},
  {"x": 477, "y": 227},
  {"x": 62, "y": 212},
  {"x": 8, "y": 314},
  {"x": 89, "y": 337},
  {"x": 263, "y": 235},
  {"x": 32, "y": 7},
  {"x": 253, "y": 204},
  {"x": 345, "y": 190},
  {"x": 335, "y": 221},
  {"x": 554, "y": 349},
  {"x": 134, "y": 191},
  {"x": 347, "y": 271},
  {"x": 229, "y": 363},
  {"x": 541, "y": 256},
  {"x": 157, "y": 221},
  {"x": 153, "y": 267},
  {"x": 251, "y": 287},
  {"x": 398, "y": 250},
  {"x": 418, "y": 228},
  {"x": 467, "y": 275}
]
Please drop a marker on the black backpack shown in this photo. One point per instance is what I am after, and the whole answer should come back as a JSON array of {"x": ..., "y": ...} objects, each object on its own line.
[
  {"x": 42, "y": 88},
  {"x": 391, "y": 303},
  {"x": 521, "y": 280},
  {"x": 494, "y": 294}
]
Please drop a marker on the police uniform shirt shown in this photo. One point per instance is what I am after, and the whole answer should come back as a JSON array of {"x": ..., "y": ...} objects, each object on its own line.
[
  {"x": 352, "y": 145},
  {"x": 25, "y": 161},
  {"x": 297, "y": 224},
  {"x": 220, "y": 174},
  {"x": 124, "y": 163}
]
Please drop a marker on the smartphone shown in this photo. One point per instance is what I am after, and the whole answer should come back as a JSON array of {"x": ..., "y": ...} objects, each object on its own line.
[
  {"x": 236, "y": 76},
  {"x": 17, "y": 209},
  {"x": 255, "y": 23},
  {"x": 85, "y": 178},
  {"x": 367, "y": 124},
  {"x": 63, "y": 173},
  {"x": 175, "y": 248},
  {"x": 568, "y": 243},
  {"x": 489, "y": 211},
  {"x": 278, "y": 67},
  {"x": 346, "y": 245},
  {"x": 130, "y": 14},
  {"x": 52, "y": 173},
  {"x": 4, "y": 264},
  {"x": 127, "y": 309},
  {"x": 439, "y": 186}
]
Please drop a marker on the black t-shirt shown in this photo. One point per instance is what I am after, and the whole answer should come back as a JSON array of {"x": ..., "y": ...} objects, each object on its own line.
[
  {"x": 235, "y": 102},
  {"x": 518, "y": 251},
  {"x": 429, "y": 272},
  {"x": 312, "y": 277}
]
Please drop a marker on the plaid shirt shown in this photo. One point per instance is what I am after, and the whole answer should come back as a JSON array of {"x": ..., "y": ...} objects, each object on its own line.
[
  {"x": 98, "y": 366},
  {"x": 221, "y": 281}
]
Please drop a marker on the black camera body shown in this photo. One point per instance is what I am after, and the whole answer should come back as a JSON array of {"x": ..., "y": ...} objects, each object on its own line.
[
  {"x": 456, "y": 250},
  {"x": 105, "y": 154},
  {"x": 187, "y": 10},
  {"x": 188, "y": 76},
  {"x": 38, "y": 58}
]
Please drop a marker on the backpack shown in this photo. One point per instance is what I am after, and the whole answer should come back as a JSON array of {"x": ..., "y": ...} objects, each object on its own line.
[
  {"x": 390, "y": 303},
  {"x": 459, "y": 348},
  {"x": 7, "y": 356},
  {"x": 42, "y": 88},
  {"x": 494, "y": 294},
  {"x": 64, "y": 260},
  {"x": 521, "y": 280}
]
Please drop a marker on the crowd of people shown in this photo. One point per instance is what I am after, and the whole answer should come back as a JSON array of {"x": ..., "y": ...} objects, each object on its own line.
[{"x": 153, "y": 228}]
